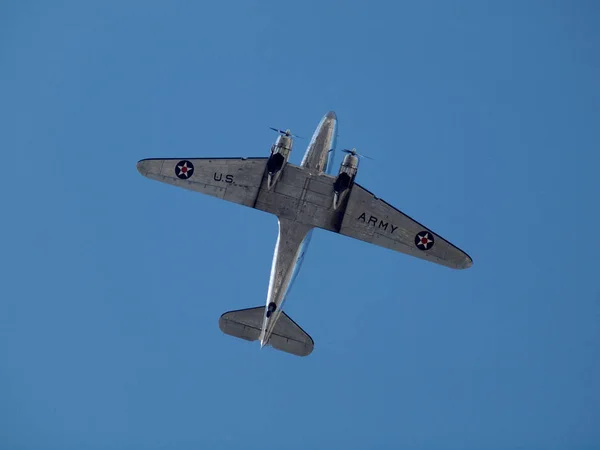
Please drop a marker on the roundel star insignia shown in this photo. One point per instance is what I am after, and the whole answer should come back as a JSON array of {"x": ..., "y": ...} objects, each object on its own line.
[
  {"x": 424, "y": 240},
  {"x": 184, "y": 169}
]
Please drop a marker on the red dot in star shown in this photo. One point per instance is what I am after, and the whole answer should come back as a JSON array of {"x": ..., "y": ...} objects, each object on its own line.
[
  {"x": 424, "y": 241},
  {"x": 184, "y": 169}
]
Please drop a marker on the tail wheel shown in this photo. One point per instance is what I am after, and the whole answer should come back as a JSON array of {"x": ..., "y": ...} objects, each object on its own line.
[{"x": 271, "y": 308}]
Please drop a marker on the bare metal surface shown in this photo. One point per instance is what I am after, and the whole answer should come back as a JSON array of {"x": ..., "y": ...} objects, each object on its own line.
[
  {"x": 286, "y": 335},
  {"x": 306, "y": 199},
  {"x": 372, "y": 220},
  {"x": 303, "y": 199},
  {"x": 287, "y": 251},
  {"x": 210, "y": 176},
  {"x": 315, "y": 158}
]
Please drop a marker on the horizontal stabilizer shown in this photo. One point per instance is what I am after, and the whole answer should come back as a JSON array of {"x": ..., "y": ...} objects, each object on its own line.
[
  {"x": 243, "y": 323},
  {"x": 287, "y": 336}
]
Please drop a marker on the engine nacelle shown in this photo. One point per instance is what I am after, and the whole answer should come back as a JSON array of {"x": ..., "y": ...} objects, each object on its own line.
[
  {"x": 345, "y": 179},
  {"x": 280, "y": 153}
]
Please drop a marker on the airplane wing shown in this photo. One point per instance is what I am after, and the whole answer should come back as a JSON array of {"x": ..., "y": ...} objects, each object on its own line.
[
  {"x": 234, "y": 179},
  {"x": 305, "y": 198},
  {"x": 370, "y": 219}
]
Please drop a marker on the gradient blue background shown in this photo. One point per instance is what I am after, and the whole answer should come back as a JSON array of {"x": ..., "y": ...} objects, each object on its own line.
[{"x": 484, "y": 121}]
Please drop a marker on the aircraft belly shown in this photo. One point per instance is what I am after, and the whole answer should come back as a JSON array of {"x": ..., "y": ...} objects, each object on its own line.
[
  {"x": 287, "y": 252},
  {"x": 302, "y": 197},
  {"x": 290, "y": 244}
]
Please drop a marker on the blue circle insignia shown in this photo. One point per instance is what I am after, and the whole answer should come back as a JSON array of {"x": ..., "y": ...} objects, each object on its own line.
[{"x": 184, "y": 169}]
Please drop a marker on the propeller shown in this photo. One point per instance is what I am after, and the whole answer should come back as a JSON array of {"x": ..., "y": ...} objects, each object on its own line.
[
  {"x": 353, "y": 152},
  {"x": 286, "y": 132}
]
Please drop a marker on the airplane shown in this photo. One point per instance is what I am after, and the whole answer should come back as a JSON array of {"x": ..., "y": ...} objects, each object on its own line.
[{"x": 303, "y": 198}]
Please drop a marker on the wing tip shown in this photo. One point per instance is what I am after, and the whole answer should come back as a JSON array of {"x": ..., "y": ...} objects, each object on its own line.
[
  {"x": 141, "y": 167},
  {"x": 466, "y": 263}
]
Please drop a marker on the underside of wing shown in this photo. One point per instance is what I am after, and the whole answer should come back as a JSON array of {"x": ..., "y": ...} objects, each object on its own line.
[
  {"x": 372, "y": 220},
  {"x": 236, "y": 180},
  {"x": 308, "y": 199}
]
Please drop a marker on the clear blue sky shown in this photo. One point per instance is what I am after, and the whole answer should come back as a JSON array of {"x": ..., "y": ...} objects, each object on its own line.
[{"x": 483, "y": 119}]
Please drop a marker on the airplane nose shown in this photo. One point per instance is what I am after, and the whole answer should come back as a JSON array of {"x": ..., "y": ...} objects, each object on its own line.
[{"x": 331, "y": 115}]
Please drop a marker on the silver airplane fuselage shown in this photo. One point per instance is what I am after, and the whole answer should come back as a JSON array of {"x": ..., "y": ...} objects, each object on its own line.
[
  {"x": 294, "y": 238},
  {"x": 302, "y": 197}
]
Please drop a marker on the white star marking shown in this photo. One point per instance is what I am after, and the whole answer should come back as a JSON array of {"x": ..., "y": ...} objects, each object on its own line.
[
  {"x": 185, "y": 173},
  {"x": 428, "y": 241}
]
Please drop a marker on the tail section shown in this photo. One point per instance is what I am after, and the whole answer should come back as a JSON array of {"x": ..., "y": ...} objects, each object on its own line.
[
  {"x": 243, "y": 323},
  {"x": 287, "y": 336}
]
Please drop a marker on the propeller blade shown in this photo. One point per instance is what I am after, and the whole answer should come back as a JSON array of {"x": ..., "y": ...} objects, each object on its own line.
[
  {"x": 355, "y": 153},
  {"x": 285, "y": 133}
]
